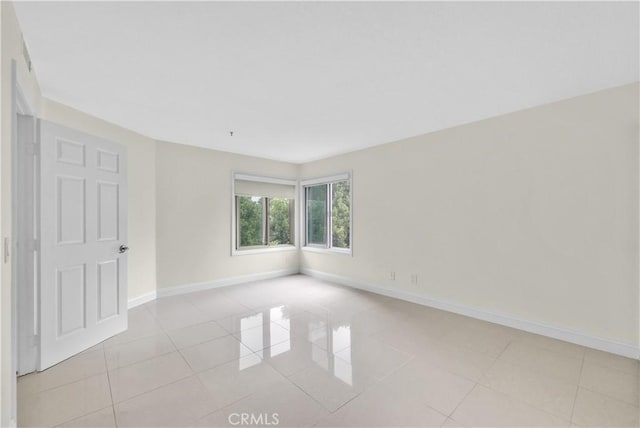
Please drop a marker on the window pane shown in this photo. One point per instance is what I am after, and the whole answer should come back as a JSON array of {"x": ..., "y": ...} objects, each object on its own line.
[
  {"x": 317, "y": 214},
  {"x": 251, "y": 220},
  {"x": 280, "y": 221},
  {"x": 340, "y": 214}
]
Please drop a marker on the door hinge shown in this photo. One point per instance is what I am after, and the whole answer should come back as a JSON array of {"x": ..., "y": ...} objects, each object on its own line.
[{"x": 5, "y": 249}]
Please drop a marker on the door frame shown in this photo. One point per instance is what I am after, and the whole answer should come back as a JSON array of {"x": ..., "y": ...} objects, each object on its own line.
[
  {"x": 25, "y": 252},
  {"x": 24, "y": 347}
]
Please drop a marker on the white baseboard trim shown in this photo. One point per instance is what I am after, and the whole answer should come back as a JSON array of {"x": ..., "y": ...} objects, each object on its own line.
[
  {"x": 625, "y": 349},
  {"x": 224, "y": 282},
  {"x": 142, "y": 299}
]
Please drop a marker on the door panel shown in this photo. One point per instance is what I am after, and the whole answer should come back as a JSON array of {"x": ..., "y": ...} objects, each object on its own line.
[
  {"x": 71, "y": 213},
  {"x": 108, "y": 289},
  {"x": 71, "y": 299},
  {"x": 108, "y": 161},
  {"x": 83, "y": 222},
  {"x": 107, "y": 211},
  {"x": 70, "y": 152}
]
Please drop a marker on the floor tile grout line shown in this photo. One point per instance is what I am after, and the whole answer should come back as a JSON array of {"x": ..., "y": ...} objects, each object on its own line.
[
  {"x": 456, "y": 373},
  {"x": 196, "y": 372},
  {"x": 154, "y": 389},
  {"x": 345, "y": 403},
  {"x": 167, "y": 331},
  {"x": 180, "y": 353},
  {"x": 531, "y": 371},
  {"x": 141, "y": 361},
  {"x": 504, "y": 349},
  {"x": 130, "y": 341},
  {"x": 36, "y": 373},
  {"x": 539, "y": 372},
  {"x": 526, "y": 403},
  {"x": 113, "y": 406},
  {"x": 610, "y": 367},
  {"x": 575, "y": 397},
  {"x": 400, "y": 367},
  {"x": 244, "y": 396},
  {"x": 219, "y": 409},
  {"x": 375, "y": 382},
  {"x": 203, "y": 342},
  {"x": 463, "y": 399},
  {"x": 468, "y": 350},
  {"x": 555, "y": 352},
  {"x": 148, "y": 359},
  {"x": 437, "y": 411},
  {"x": 79, "y": 417},
  {"x": 286, "y": 376},
  {"x": 298, "y": 387},
  {"x": 609, "y": 396},
  {"x": 445, "y": 421},
  {"x": 81, "y": 380},
  {"x": 493, "y": 363}
]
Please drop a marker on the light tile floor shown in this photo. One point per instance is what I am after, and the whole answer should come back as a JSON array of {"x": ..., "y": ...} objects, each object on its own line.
[{"x": 302, "y": 352}]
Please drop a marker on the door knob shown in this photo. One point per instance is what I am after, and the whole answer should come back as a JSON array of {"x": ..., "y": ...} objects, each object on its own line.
[{"x": 123, "y": 249}]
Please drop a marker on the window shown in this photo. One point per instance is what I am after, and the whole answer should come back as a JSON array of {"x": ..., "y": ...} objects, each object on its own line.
[
  {"x": 264, "y": 214},
  {"x": 251, "y": 227},
  {"x": 264, "y": 221},
  {"x": 328, "y": 213},
  {"x": 280, "y": 221},
  {"x": 317, "y": 214},
  {"x": 341, "y": 214}
]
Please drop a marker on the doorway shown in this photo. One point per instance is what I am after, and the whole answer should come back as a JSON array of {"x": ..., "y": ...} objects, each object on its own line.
[{"x": 69, "y": 210}]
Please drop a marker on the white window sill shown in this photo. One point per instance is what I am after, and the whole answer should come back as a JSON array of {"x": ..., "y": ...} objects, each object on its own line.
[
  {"x": 262, "y": 250},
  {"x": 342, "y": 251}
]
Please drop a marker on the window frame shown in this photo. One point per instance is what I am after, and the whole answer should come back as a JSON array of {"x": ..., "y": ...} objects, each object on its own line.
[
  {"x": 328, "y": 180},
  {"x": 236, "y": 250}
]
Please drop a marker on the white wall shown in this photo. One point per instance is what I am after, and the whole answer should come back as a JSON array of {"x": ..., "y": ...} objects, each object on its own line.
[
  {"x": 533, "y": 214},
  {"x": 194, "y": 216}
]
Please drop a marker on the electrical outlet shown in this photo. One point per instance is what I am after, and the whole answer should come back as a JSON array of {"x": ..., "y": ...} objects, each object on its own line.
[
  {"x": 392, "y": 276},
  {"x": 414, "y": 278}
]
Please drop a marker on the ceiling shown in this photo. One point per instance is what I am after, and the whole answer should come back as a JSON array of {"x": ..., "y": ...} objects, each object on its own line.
[{"x": 304, "y": 81}]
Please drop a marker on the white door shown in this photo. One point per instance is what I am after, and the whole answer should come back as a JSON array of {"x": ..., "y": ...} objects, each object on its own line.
[{"x": 83, "y": 235}]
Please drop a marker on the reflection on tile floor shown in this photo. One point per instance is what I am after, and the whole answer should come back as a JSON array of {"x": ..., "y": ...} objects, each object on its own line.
[{"x": 325, "y": 355}]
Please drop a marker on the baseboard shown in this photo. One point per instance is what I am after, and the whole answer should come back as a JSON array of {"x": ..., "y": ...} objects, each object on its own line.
[
  {"x": 567, "y": 335},
  {"x": 224, "y": 282},
  {"x": 142, "y": 299}
]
